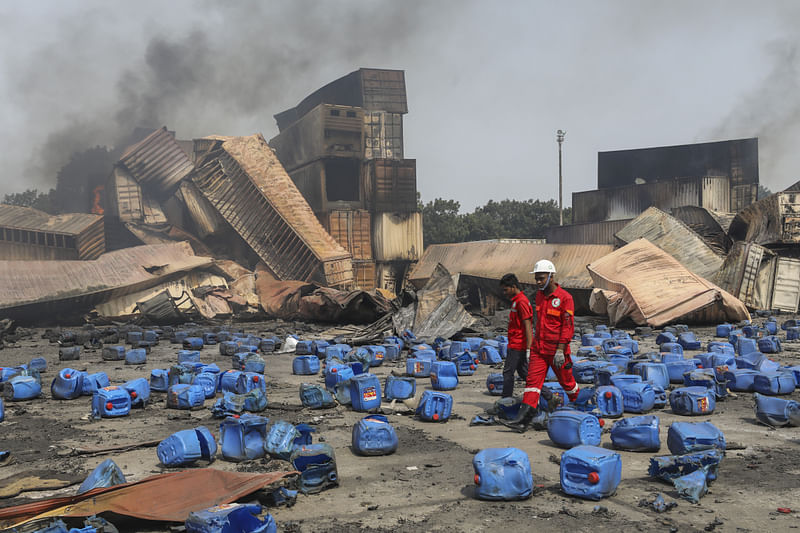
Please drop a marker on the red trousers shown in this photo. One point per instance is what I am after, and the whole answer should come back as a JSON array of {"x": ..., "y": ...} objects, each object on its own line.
[{"x": 537, "y": 371}]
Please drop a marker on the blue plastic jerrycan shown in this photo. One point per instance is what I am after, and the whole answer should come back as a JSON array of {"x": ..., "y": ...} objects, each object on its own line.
[
  {"x": 676, "y": 369},
  {"x": 636, "y": 434},
  {"x": 21, "y": 387},
  {"x": 193, "y": 343},
  {"x": 654, "y": 373},
  {"x": 465, "y": 364},
  {"x": 419, "y": 368},
  {"x": 69, "y": 353},
  {"x": 392, "y": 352},
  {"x": 305, "y": 365},
  {"x": 489, "y": 355},
  {"x": 770, "y": 344},
  {"x": 692, "y": 401},
  {"x": 502, "y": 474},
  {"x": 688, "y": 437},
  {"x": 669, "y": 467},
  {"x": 94, "y": 382},
  {"x": 247, "y": 381},
  {"x": 590, "y": 472},
  {"x": 723, "y": 330},
  {"x": 139, "y": 391},
  {"x": 187, "y": 446},
  {"x": 107, "y": 474},
  {"x": 230, "y": 518},
  {"x": 184, "y": 396},
  {"x": 242, "y": 438},
  {"x": 317, "y": 466},
  {"x": 208, "y": 381},
  {"x": 434, "y": 406},
  {"x": 373, "y": 435},
  {"x": 399, "y": 387},
  {"x": 444, "y": 375},
  {"x": 253, "y": 362},
  {"x": 228, "y": 379},
  {"x": 365, "y": 392},
  {"x": 692, "y": 486},
  {"x": 209, "y": 338},
  {"x": 568, "y": 428},
  {"x": 111, "y": 402},
  {"x": 180, "y": 374},
  {"x": 334, "y": 373},
  {"x": 740, "y": 379},
  {"x": 136, "y": 356},
  {"x": 303, "y": 347},
  {"x": 133, "y": 337},
  {"x": 609, "y": 401},
  {"x": 723, "y": 347},
  {"x": 315, "y": 396},
  {"x": 774, "y": 383},
  {"x": 228, "y": 347},
  {"x": 159, "y": 379},
  {"x": 776, "y": 412},
  {"x": 113, "y": 353},
  {"x": 280, "y": 439},
  {"x": 67, "y": 385},
  {"x": 622, "y": 380},
  {"x": 494, "y": 383},
  {"x": 377, "y": 354},
  {"x": 638, "y": 397},
  {"x": 188, "y": 356}
]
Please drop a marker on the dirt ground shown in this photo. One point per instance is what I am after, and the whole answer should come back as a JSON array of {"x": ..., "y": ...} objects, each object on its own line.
[{"x": 427, "y": 484}]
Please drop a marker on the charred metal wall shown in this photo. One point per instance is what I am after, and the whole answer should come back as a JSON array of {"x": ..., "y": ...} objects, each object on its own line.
[{"x": 588, "y": 233}]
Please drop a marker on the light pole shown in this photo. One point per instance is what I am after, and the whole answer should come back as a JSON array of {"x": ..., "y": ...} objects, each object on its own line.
[{"x": 560, "y": 138}]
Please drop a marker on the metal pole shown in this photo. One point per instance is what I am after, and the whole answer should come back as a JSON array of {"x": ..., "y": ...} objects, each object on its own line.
[{"x": 560, "y": 138}]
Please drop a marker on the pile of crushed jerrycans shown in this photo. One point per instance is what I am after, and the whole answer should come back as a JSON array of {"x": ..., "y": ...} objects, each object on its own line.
[{"x": 626, "y": 382}]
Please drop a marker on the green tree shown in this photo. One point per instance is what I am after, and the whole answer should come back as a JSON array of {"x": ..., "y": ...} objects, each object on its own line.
[
  {"x": 442, "y": 223},
  {"x": 763, "y": 192},
  {"x": 43, "y": 201}
]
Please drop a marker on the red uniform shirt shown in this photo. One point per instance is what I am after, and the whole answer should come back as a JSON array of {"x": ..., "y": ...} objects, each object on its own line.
[
  {"x": 554, "y": 321},
  {"x": 520, "y": 310}
]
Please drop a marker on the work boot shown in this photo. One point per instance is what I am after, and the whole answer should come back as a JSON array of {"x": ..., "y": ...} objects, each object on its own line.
[
  {"x": 523, "y": 420},
  {"x": 554, "y": 403}
]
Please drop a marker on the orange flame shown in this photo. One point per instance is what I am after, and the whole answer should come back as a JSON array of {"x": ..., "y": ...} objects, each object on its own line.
[{"x": 97, "y": 207}]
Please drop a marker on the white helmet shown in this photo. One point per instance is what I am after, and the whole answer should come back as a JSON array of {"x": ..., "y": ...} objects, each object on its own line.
[{"x": 544, "y": 265}]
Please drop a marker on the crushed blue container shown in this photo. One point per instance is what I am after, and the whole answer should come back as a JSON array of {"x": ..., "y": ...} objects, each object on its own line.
[
  {"x": 315, "y": 396},
  {"x": 133, "y": 337},
  {"x": 776, "y": 412},
  {"x": 723, "y": 330},
  {"x": 67, "y": 385},
  {"x": 585, "y": 371},
  {"x": 230, "y": 518},
  {"x": 609, "y": 401},
  {"x": 399, "y": 387},
  {"x": 242, "y": 438},
  {"x": 159, "y": 379},
  {"x": 671, "y": 467},
  {"x": 20, "y": 388},
  {"x": 689, "y": 341},
  {"x": 373, "y": 435},
  {"x": 303, "y": 347},
  {"x": 419, "y": 368},
  {"x": 792, "y": 334},
  {"x": 334, "y": 373},
  {"x": 111, "y": 402},
  {"x": 774, "y": 383},
  {"x": 666, "y": 336},
  {"x": 494, "y": 383},
  {"x": 247, "y": 381},
  {"x": 228, "y": 347},
  {"x": 317, "y": 466},
  {"x": 692, "y": 401},
  {"x": 770, "y": 344},
  {"x": 604, "y": 374},
  {"x": 677, "y": 369},
  {"x": 671, "y": 347},
  {"x": 365, "y": 392},
  {"x": 178, "y": 337},
  {"x": 341, "y": 391},
  {"x": 721, "y": 347},
  {"x": 187, "y": 446},
  {"x": 253, "y": 362},
  {"x": 636, "y": 434},
  {"x": 137, "y": 356},
  {"x": 622, "y": 380},
  {"x": 377, "y": 355},
  {"x": 740, "y": 379},
  {"x": 184, "y": 396},
  {"x": 654, "y": 373},
  {"x": 444, "y": 375},
  {"x": 590, "y": 472},
  {"x": 188, "y": 356},
  {"x": 465, "y": 364},
  {"x": 93, "y": 382},
  {"x": 392, "y": 352},
  {"x": 631, "y": 344},
  {"x": 280, "y": 439},
  {"x": 434, "y": 406},
  {"x": 69, "y": 353},
  {"x": 692, "y": 486},
  {"x": 568, "y": 428},
  {"x": 113, "y": 353},
  {"x": 139, "y": 391},
  {"x": 771, "y": 327},
  {"x": 305, "y": 365},
  {"x": 457, "y": 348},
  {"x": 193, "y": 343},
  {"x": 689, "y": 437},
  {"x": 555, "y": 388},
  {"x": 488, "y": 355},
  {"x": 318, "y": 347},
  {"x": 107, "y": 474},
  {"x": 180, "y": 374},
  {"x": 638, "y": 397},
  {"x": 746, "y": 346},
  {"x": 502, "y": 474},
  {"x": 208, "y": 381}
]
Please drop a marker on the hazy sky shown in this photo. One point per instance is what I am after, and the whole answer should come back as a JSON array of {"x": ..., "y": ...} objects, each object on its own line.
[{"x": 489, "y": 83}]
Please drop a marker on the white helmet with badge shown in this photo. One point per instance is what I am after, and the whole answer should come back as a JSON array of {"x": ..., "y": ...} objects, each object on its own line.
[{"x": 545, "y": 266}]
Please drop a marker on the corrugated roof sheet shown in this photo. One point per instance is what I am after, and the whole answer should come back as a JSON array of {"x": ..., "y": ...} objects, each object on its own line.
[
  {"x": 493, "y": 259},
  {"x": 675, "y": 238},
  {"x": 157, "y": 162},
  {"x": 707, "y": 224},
  {"x": 27, "y": 218}
]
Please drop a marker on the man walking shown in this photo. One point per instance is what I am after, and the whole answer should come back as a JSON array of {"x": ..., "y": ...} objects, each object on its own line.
[
  {"x": 520, "y": 334},
  {"x": 555, "y": 326}
]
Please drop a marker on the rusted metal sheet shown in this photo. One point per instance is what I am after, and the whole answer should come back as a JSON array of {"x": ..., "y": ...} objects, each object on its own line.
[
  {"x": 364, "y": 275},
  {"x": 30, "y": 234},
  {"x": 206, "y": 219},
  {"x": 587, "y": 233},
  {"x": 391, "y": 185},
  {"x": 247, "y": 185},
  {"x": 124, "y": 196},
  {"x": 654, "y": 289},
  {"x": 397, "y": 236},
  {"x": 772, "y": 220},
  {"x": 352, "y": 229},
  {"x": 675, "y": 238},
  {"x": 326, "y": 131},
  {"x": 383, "y": 135},
  {"x": 748, "y": 273},
  {"x": 389, "y": 276},
  {"x": 493, "y": 259},
  {"x": 712, "y": 192},
  {"x": 166, "y": 497},
  {"x": 32, "y": 289},
  {"x": 707, "y": 224},
  {"x": 786, "y": 287},
  {"x": 157, "y": 162}
]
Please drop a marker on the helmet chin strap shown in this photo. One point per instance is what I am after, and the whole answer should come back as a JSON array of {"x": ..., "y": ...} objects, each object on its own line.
[{"x": 549, "y": 276}]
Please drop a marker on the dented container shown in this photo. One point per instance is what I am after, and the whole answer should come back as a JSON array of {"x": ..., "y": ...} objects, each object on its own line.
[
  {"x": 638, "y": 397},
  {"x": 637, "y": 434},
  {"x": 187, "y": 446},
  {"x": 315, "y": 396},
  {"x": 419, "y": 368},
  {"x": 184, "y": 396},
  {"x": 740, "y": 379},
  {"x": 692, "y": 401},
  {"x": 444, "y": 375},
  {"x": 334, "y": 373},
  {"x": 230, "y": 518},
  {"x": 137, "y": 356},
  {"x": 488, "y": 355},
  {"x": 776, "y": 412},
  {"x": 305, "y": 365},
  {"x": 494, "y": 383},
  {"x": 502, "y": 474},
  {"x": 590, "y": 472},
  {"x": 317, "y": 466},
  {"x": 689, "y": 437},
  {"x": 139, "y": 391},
  {"x": 242, "y": 438},
  {"x": 365, "y": 392},
  {"x": 68, "y": 385},
  {"x": 434, "y": 406},
  {"x": 568, "y": 428},
  {"x": 373, "y": 435},
  {"x": 188, "y": 356},
  {"x": 774, "y": 383},
  {"x": 93, "y": 382},
  {"x": 280, "y": 439},
  {"x": 111, "y": 402},
  {"x": 113, "y": 353},
  {"x": 399, "y": 388},
  {"x": 609, "y": 401}
]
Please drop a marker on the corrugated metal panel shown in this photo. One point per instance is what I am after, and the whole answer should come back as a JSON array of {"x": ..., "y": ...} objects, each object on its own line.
[
  {"x": 14, "y": 251},
  {"x": 248, "y": 186},
  {"x": 707, "y": 224},
  {"x": 91, "y": 243},
  {"x": 157, "y": 162},
  {"x": 772, "y": 220},
  {"x": 786, "y": 291},
  {"x": 124, "y": 195},
  {"x": 493, "y": 259},
  {"x": 352, "y": 229},
  {"x": 675, "y": 238},
  {"x": 588, "y": 233},
  {"x": 364, "y": 274},
  {"x": 151, "y": 210},
  {"x": 391, "y": 185},
  {"x": 397, "y": 236},
  {"x": 747, "y": 274},
  {"x": 206, "y": 219},
  {"x": 27, "y": 218},
  {"x": 630, "y": 201},
  {"x": 383, "y": 135}
]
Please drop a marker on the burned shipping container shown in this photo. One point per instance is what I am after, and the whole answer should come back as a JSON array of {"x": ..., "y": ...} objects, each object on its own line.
[{"x": 28, "y": 234}]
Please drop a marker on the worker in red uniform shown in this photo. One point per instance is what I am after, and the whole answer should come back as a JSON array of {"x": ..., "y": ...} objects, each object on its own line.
[{"x": 555, "y": 325}]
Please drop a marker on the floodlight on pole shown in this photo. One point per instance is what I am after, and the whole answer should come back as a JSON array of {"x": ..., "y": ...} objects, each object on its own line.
[{"x": 560, "y": 139}]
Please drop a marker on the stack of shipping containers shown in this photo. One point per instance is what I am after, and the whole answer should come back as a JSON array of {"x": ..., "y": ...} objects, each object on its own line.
[{"x": 343, "y": 148}]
